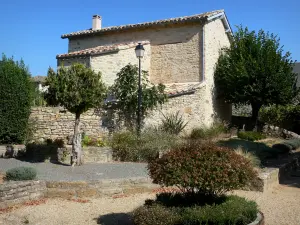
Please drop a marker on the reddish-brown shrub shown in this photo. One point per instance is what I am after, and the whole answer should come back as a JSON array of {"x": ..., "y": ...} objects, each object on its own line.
[{"x": 204, "y": 168}]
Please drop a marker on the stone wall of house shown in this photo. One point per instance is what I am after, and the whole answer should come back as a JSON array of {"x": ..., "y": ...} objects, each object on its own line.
[
  {"x": 175, "y": 52},
  {"x": 68, "y": 61},
  {"x": 18, "y": 192},
  {"x": 215, "y": 39},
  {"x": 56, "y": 123},
  {"x": 110, "y": 64}
]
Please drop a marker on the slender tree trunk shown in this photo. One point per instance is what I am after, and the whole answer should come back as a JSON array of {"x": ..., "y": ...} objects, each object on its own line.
[
  {"x": 76, "y": 145},
  {"x": 255, "y": 110}
]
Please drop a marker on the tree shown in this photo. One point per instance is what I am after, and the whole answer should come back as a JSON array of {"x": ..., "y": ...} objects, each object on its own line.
[
  {"x": 15, "y": 100},
  {"x": 78, "y": 89},
  {"x": 125, "y": 90},
  {"x": 255, "y": 70}
]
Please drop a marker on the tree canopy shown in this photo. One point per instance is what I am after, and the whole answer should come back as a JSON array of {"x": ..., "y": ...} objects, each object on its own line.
[
  {"x": 125, "y": 90},
  {"x": 15, "y": 100},
  {"x": 255, "y": 70}
]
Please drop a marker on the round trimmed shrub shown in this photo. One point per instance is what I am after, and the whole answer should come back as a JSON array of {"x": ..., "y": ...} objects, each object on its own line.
[
  {"x": 203, "y": 168},
  {"x": 21, "y": 173}
]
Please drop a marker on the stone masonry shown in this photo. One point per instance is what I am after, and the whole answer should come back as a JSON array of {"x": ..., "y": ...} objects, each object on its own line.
[
  {"x": 56, "y": 123},
  {"x": 18, "y": 192}
]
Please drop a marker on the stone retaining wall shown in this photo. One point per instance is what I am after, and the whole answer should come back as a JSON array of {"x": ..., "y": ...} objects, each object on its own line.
[
  {"x": 57, "y": 123},
  {"x": 18, "y": 192},
  {"x": 100, "y": 188}
]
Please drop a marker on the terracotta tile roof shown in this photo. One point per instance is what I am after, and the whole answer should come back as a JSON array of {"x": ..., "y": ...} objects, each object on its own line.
[
  {"x": 184, "y": 19},
  {"x": 100, "y": 49}
]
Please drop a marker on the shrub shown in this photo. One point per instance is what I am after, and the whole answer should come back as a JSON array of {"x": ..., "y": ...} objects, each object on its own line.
[
  {"x": 232, "y": 210},
  {"x": 15, "y": 100},
  {"x": 295, "y": 143},
  {"x": 173, "y": 123},
  {"x": 21, "y": 173},
  {"x": 204, "y": 168},
  {"x": 251, "y": 135},
  {"x": 155, "y": 215},
  {"x": 283, "y": 147},
  {"x": 92, "y": 141},
  {"x": 211, "y": 132},
  {"x": 287, "y": 116},
  {"x": 127, "y": 146},
  {"x": 255, "y": 161},
  {"x": 39, "y": 152}
]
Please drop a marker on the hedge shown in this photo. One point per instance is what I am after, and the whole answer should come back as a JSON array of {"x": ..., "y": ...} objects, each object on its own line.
[{"x": 15, "y": 100}]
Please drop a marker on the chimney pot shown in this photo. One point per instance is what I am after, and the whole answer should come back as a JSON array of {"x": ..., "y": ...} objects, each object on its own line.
[{"x": 96, "y": 22}]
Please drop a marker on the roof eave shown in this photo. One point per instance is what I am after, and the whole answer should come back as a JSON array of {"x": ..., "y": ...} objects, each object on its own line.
[
  {"x": 86, "y": 55},
  {"x": 137, "y": 26}
]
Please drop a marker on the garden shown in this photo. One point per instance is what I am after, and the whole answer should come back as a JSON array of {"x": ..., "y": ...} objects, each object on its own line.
[{"x": 198, "y": 168}]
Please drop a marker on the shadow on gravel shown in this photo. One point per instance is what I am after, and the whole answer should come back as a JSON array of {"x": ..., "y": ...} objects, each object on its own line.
[{"x": 114, "y": 219}]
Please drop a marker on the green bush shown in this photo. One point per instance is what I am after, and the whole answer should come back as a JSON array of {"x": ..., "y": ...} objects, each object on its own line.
[
  {"x": 21, "y": 173},
  {"x": 295, "y": 143},
  {"x": 204, "y": 168},
  {"x": 92, "y": 141},
  {"x": 282, "y": 148},
  {"x": 127, "y": 146},
  {"x": 15, "y": 100},
  {"x": 287, "y": 116},
  {"x": 251, "y": 135},
  {"x": 207, "y": 133},
  {"x": 233, "y": 210},
  {"x": 173, "y": 123},
  {"x": 39, "y": 152}
]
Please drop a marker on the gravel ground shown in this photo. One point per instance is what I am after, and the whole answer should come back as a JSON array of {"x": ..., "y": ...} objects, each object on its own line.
[
  {"x": 91, "y": 171},
  {"x": 280, "y": 207}
]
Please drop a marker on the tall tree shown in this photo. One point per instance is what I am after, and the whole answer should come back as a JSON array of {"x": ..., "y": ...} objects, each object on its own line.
[
  {"x": 125, "y": 91},
  {"x": 78, "y": 89},
  {"x": 15, "y": 100},
  {"x": 255, "y": 70}
]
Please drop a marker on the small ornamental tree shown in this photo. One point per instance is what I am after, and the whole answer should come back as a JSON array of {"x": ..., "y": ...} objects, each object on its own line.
[
  {"x": 78, "y": 89},
  {"x": 255, "y": 70},
  {"x": 125, "y": 91},
  {"x": 15, "y": 100}
]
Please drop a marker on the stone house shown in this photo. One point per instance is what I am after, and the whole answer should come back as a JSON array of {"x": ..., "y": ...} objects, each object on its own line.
[{"x": 179, "y": 52}]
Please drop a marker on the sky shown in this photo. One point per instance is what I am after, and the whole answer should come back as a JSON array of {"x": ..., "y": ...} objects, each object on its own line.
[{"x": 31, "y": 29}]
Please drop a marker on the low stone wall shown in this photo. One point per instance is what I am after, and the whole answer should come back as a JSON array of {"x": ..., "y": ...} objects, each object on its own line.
[
  {"x": 18, "y": 192},
  {"x": 88, "y": 189},
  {"x": 57, "y": 123},
  {"x": 91, "y": 154}
]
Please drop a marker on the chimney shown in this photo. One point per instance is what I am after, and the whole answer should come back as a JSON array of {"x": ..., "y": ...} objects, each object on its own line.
[{"x": 96, "y": 22}]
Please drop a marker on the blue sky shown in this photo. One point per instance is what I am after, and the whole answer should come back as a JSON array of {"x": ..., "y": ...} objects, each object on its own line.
[{"x": 31, "y": 29}]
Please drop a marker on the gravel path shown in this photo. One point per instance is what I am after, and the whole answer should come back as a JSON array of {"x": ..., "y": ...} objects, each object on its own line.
[
  {"x": 91, "y": 171},
  {"x": 280, "y": 207}
]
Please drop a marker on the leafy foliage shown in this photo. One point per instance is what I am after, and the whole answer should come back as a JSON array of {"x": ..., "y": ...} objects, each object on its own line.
[
  {"x": 21, "y": 173},
  {"x": 255, "y": 70},
  {"x": 93, "y": 141},
  {"x": 125, "y": 90},
  {"x": 251, "y": 135},
  {"x": 78, "y": 89},
  {"x": 207, "y": 133},
  {"x": 232, "y": 210},
  {"x": 173, "y": 123},
  {"x": 287, "y": 116},
  {"x": 204, "y": 168},
  {"x": 127, "y": 146},
  {"x": 15, "y": 100}
]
